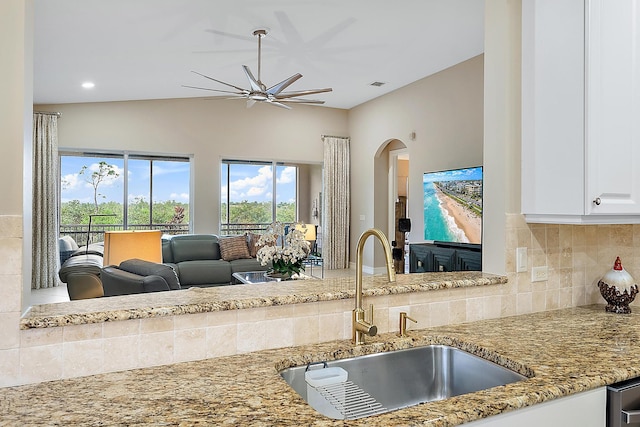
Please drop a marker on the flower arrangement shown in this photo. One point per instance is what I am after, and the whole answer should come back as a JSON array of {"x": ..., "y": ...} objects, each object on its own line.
[{"x": 285, "y": 251}]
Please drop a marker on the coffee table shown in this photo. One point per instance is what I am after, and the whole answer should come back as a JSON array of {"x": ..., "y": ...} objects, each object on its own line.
[
  {"x": 247, "y": 277},
  {"x": 253, "y": 277},
  {"x": 314, "y": 261}
]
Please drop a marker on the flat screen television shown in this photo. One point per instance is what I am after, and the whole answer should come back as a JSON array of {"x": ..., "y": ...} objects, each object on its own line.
[{"x": 453, "y": 205}]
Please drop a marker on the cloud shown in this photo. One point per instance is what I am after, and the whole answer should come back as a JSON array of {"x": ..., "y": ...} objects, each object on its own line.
[
  {"x": 170, "y": 167},
  {"x": 287, "y": 175},
  {"x": 256, "y": 191},
  {"x": 179, "y": 196},
  {"x": 70, "y": 182},
  {"x": 108, "y": 180},
  {"x": 251, "y": 186}
]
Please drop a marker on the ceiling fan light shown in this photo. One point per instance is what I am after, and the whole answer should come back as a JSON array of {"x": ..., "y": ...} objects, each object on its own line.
[
  {"x": 258, "y": 92},
  {"x": 256, "y": 96}
]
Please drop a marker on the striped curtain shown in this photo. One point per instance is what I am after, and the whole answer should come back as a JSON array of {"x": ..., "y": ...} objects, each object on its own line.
[
  {"x": 335, "y": 247},
  {"x": 45, "y": 250}
]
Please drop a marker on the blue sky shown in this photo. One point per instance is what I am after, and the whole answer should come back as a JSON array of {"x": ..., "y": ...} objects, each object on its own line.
[
  {"x": 254, "y": 183},
  {"x": 171, "y": 180},
  {"x": 453, "y": 175}
]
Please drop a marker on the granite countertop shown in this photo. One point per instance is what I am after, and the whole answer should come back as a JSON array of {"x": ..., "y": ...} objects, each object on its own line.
[
  {"x": 567, "y": 351},
  {"x": 219, "y": 298}
]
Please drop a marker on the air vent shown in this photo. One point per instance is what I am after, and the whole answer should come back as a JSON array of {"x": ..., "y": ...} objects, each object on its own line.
[{"x": 377, "y": 84}]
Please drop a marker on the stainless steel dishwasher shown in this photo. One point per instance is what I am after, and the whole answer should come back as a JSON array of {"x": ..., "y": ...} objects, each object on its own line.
[{"x": 623, "y": 404}]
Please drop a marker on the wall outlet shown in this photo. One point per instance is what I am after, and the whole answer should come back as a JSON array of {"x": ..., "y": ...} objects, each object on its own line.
[
  {"x": 539, "y": 274},
  {"x": 521, "y": 260}
]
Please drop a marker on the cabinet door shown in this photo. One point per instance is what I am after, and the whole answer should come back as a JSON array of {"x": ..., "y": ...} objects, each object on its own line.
[
  {"x": 586, "y": 409},
  {"x": 613, "y": 107},
  {"x": 553, "y": 164}
]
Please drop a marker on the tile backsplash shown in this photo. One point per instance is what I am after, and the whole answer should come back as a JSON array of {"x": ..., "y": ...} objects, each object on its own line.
[{"x": 576, "y": 257}]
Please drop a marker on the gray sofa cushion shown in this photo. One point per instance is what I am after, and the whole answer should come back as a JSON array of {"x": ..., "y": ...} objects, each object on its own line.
[
  {"x": 167, "y": 256},
  {"x": 67, "y": 247},
  {"x": 204, "y": 272},
  {"x": 87, "y": 264},
  {"x": 249, "y": 264},
  {"x": 193, "y": 247},
  {"x": 93, "y": 249},
  {"x": 146, "y": 268},
  {"x": 120, "y": 282}
]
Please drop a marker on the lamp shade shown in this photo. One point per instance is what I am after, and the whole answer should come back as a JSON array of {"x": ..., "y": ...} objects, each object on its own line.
[
  {"x": 129, "y": 244},
  {"x": 309, "y": 232}
]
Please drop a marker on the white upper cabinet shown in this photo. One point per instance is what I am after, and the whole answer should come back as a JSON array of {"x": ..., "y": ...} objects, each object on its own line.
[{"x": 581, "y": 111}]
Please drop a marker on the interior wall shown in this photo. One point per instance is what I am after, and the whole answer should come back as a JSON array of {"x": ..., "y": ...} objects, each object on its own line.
[
  {"x": 303, "y": 211},
  {"x": 316, "y": 191},
  {"x": 445, "y": 111},
  {"x": 402, "y": 177},
  {"x": 16, "y": 124},
  {"x": 502, "y": 133},
  {"x": 210, "y": 130}
]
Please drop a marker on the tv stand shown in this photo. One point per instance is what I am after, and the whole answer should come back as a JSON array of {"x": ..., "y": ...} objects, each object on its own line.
[{"x": 444, "y": 256}]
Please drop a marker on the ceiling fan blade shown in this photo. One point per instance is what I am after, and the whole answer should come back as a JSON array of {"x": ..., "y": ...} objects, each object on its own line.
[
  {"x": 278, "y": 104},
  {"x": 229, "y": 35},
  {"x": 244, "y": 92},
  {"x": 215, "y": 98},
  {"x": 277, "y": 88},
  {"x": 302, "y": 93},
  {"x": 300, "y": 101},
  {"x": 219, "y": 81},
  {"x": 255, "y": 84}
]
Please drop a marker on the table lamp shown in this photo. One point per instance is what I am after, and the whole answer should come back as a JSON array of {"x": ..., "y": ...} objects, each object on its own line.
[
  {"x": 309, "y": 233},
  {"x": 129, "y": 244}
]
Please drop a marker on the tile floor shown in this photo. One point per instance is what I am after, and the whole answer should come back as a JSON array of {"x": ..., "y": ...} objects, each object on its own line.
[{"x": 49, "y": 295}]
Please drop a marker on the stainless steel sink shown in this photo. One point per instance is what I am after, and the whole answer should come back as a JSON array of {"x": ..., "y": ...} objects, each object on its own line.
[{"x": 384, "y": 382}]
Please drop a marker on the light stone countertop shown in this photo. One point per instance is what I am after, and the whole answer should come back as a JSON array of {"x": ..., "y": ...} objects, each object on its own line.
[
  {"x": 567, "y": 351},
  {"x": 219, "y": 298}
]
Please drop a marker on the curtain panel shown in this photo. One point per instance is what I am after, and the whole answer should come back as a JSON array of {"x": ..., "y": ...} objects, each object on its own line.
[
  {"x": 45, "y": 252},
  {"x": 335, "y": 248}
]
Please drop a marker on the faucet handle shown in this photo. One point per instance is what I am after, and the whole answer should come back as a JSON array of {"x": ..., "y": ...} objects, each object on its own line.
[{"x": 403, "y": 323}]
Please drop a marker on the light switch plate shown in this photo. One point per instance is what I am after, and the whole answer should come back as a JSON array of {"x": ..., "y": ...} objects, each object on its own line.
[{"x": 521, "y": 260}]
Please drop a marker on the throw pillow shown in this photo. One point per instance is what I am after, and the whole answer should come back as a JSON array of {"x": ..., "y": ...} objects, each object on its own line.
[{"x": 234, "y": 248}]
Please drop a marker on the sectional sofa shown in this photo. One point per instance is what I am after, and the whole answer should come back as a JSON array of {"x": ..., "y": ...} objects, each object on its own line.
[
  {"x": 209, "y": 260},
  {"x": 196, "y": 260}
]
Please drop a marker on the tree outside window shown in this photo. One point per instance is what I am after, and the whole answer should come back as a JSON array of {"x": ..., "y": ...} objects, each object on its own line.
[
  {"x": 250, "y": 200},
  {"x": 154, "y": 195}
]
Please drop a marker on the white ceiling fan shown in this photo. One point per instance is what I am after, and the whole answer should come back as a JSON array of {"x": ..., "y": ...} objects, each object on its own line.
[{"x": 258, "y": 92}]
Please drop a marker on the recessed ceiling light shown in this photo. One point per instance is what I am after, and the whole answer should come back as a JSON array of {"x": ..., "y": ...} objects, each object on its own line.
[
  {"x": 88, "y": 85},
  {"x": 377, "y": 84}
]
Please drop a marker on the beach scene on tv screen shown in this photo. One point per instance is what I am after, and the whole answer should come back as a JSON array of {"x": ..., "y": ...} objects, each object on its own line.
[{"x": 453, "y": 205}]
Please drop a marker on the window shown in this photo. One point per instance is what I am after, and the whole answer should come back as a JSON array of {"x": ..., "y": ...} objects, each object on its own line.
[
  {"x": 254, "y": 194},
  {"x": 154, "y": 195}
]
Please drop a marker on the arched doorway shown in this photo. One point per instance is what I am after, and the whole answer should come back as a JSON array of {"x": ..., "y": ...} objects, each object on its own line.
[{"x": 391, "y": 195}]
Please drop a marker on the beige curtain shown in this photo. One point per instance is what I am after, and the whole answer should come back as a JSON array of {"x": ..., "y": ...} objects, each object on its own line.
[
  {"x": 45, "y": 250},
  {"x": 335, "y": 247}
]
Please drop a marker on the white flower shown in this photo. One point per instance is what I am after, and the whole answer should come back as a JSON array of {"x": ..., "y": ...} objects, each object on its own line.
[{"x": 291, "y": 249}]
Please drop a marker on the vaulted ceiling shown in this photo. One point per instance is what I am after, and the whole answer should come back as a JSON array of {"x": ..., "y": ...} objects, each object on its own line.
[{"x": 146, "y": 49}]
